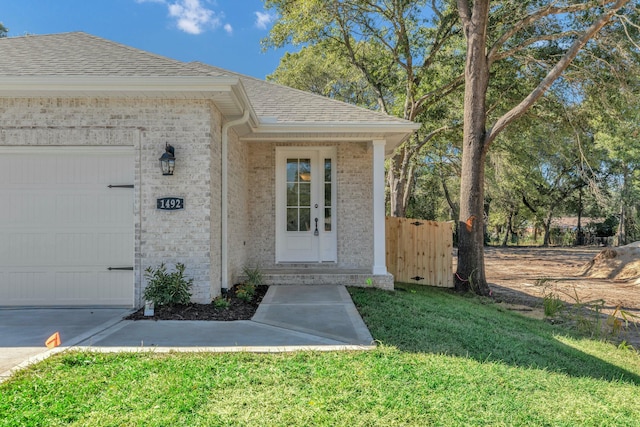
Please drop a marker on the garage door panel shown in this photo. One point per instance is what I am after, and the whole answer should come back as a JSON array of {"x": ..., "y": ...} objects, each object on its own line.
[
  {"x": 114, "y": 287},
  {"x": 29, "y": 249},
  {"x": 70, "y": 171},
  {"x": 29, "y": 170},
  {"x": 22, "y": 206},
  {"x": 75, "y": 286},
  {"x": 76, "y": 249},
  {"x": 74, "y": 210},
  {"x": 109, "y": 207},
  {"x": 63, "y": 227},
  {"x": 23, "y": 287},
  {"x": 115, "y": 249}
]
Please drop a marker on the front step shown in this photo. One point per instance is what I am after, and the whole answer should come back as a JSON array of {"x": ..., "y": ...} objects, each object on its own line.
[{"x": 324, "y": 276}]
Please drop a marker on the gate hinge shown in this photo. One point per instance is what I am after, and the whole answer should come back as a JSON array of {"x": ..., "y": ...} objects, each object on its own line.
[
  {"x": 417, "y": 223},
  {"x": 417, "y": 278}
]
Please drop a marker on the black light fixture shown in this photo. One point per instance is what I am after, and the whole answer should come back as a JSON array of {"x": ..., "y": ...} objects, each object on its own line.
[{"x": 168, "y": 160}]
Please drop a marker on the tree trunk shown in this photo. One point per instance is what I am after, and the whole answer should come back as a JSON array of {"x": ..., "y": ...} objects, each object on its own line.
[
  {"x": 547, "y": 229},
  {"x": 580, "y": 234},
  {"x": 505, "y": 241},
  {"x": 470, "y": 274},
  {"x": 474, "y": 16},
  {"x": 621, "y": 234},
  {"x": 399, "y": 179}
]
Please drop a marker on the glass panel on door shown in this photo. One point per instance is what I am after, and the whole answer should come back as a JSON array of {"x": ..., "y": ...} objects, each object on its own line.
[
  {"x": 327, "y": 195},
  {"x": 298, "y": 194}
]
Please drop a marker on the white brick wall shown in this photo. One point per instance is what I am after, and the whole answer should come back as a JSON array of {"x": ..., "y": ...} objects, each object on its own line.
[
  {"x": 192, "y": 236},
  {"x": 190, "y": 126}
]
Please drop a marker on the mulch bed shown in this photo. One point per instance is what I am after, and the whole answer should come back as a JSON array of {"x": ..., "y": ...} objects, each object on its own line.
[{"x": 237, "y": 310}]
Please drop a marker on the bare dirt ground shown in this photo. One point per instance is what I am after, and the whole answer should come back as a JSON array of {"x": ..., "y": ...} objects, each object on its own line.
[{"x": 519, "y": 277}]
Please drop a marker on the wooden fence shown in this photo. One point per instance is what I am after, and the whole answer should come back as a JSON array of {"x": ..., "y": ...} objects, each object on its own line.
[{"x": 420, "y": 251}]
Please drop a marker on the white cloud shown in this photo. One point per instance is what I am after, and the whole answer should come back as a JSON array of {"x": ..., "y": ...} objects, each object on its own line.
[
  {"x": 263, "y": 19},
  {"x": 228, "y": 28},
  {"x": 192, "y": 17}
]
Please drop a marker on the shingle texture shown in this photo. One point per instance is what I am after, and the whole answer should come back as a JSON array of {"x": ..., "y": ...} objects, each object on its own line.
[
  {"x": 81, "y": 54},
  {"x": 286, "y": 104}
]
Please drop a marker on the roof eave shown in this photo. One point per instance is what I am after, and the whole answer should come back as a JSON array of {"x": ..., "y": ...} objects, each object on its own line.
[
  {"x": 83, "y": 83},
  {"x": 394, "y": 133},
  {"x": 227, "y": 92}
]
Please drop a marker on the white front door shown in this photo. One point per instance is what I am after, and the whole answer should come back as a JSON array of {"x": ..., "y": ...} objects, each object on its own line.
[{"x": 306, "y": 205}]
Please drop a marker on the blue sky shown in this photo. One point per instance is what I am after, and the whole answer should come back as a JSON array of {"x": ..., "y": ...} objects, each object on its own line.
[{"x": 224, "y": 33}]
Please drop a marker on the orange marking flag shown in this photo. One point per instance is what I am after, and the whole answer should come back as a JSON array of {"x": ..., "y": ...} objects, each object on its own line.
[
  {"x": 53, "y": 340},
  {"x": 469, "y": 223}
]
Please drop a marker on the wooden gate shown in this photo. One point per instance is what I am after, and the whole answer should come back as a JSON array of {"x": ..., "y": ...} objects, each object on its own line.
[{"x": 420, "y": 251}]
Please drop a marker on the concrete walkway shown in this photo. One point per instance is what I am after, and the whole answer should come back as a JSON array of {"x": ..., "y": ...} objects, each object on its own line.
[{"x": 289, "y": 318}]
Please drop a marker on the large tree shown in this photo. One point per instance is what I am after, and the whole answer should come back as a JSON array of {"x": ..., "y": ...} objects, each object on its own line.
[
  {"x": 497, "y": 31},
  {"x": 3, "y": 30},
  {"x": 405, "y": 50}
]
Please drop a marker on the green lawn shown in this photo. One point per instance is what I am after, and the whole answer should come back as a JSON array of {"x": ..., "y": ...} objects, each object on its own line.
[{"x": 444, "y": 359}]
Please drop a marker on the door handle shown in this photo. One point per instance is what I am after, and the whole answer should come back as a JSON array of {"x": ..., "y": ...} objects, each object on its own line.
[{"x": 316, "y": 233}]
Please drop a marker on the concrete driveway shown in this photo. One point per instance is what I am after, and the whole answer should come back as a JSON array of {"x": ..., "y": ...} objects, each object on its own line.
[{"x": 23, "y": 331}]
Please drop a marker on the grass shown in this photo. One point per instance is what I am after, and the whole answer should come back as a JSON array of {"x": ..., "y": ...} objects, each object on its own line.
[{"x": 444, "y": 359}]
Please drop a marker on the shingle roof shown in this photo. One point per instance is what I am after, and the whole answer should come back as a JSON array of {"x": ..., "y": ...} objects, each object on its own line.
[
  {"x": 75, "y": 54},
  {"x": 287, "y": 104},
  {"x": 81, "y": 54}
]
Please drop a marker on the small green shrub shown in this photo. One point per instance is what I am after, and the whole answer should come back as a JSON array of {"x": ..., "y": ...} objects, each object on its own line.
[
  {"x": 254, "y": 276},
  {"x": 552, "y": 304},
  {"x": 221, "y": 302},
  {"x": 167, "y": 288},
  {"x": 245, "y": 291}
]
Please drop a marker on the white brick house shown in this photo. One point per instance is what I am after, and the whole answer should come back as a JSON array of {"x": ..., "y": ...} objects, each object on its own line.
[{"x": 269, "y": 176}]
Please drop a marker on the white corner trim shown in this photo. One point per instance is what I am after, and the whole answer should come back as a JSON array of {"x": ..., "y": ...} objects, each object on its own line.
[{"x": 379, "y": 248}]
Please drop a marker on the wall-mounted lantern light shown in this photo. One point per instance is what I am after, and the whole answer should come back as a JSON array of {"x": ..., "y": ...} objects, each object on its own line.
[{"x": 168, "y": 160}]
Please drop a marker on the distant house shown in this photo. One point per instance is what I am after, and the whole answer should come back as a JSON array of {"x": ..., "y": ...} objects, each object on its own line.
[
  {"x": 265, "y": 176},
  {"x": 570, "y": 223}
]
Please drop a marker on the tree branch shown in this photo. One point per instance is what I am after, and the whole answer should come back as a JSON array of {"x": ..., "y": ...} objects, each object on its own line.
[
  {"x": 535, "y": 16},
  {"x": 554, "y": 73},
  {"x": 528, "y": 42},
  {"x": 441, "y": 92},
  {"x": 416, "y": 148}
]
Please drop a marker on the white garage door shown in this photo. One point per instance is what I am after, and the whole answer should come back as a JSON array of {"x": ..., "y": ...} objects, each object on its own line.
[{"x": 62, "y": 227}]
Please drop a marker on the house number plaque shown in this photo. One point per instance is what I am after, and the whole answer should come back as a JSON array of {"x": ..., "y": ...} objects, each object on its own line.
[{"x": 170, "y": 203}]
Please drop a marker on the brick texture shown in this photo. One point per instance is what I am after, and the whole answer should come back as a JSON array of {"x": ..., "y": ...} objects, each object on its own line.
[
  {"x": 160, "y": 236},
  {"x": 192, "y": 236}
]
